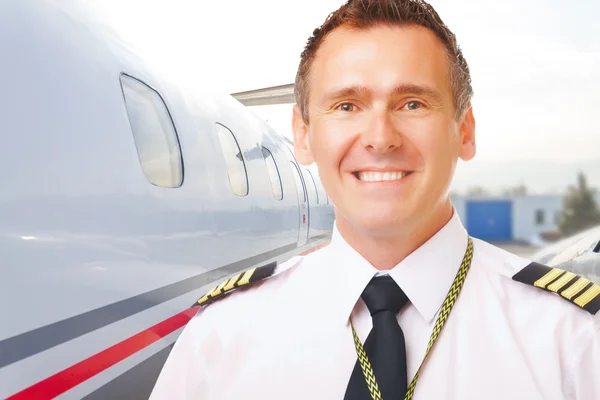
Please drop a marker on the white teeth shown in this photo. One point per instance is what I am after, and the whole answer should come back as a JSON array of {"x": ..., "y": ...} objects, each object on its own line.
[{"x": 370, "y": 176}]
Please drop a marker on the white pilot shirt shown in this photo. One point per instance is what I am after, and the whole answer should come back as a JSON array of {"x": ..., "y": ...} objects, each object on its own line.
[{"x": 289, "y": 337}]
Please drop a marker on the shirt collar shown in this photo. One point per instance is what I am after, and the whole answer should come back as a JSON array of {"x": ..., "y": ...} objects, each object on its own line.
[
  {"x": 347, "y": 273},
  {"x": 425, "y": 275}
]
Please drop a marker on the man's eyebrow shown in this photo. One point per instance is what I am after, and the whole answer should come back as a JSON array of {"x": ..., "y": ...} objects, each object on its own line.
[
  {"x": 417, "y": 90},
  {"x": 400, "y": 90},
  {"x": 349, "y": 91}
]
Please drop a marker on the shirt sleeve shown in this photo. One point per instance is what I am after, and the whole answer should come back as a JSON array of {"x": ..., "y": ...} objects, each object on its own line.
[
  {"x": 182, "y": 375},
  {"x": 585, "y": 375}
]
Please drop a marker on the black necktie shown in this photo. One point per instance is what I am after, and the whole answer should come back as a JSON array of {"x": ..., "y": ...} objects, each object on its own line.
[{"x": 385, "y": 344}]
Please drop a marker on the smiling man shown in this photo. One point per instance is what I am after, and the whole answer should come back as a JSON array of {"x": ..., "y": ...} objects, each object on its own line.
[
  {"x": 402, "y": 304},
  {"x": 385, "y": 123}
]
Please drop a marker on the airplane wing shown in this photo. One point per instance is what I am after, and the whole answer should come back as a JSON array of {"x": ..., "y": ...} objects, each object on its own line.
[
  {"x": 283, "y": 94},
  {"x": 579, "y": 253}
]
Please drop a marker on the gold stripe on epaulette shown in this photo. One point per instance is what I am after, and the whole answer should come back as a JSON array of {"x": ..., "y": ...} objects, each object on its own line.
[
  {"x": 222, "y": 288},
  {"x": 202, "y": 300},
  {"x": 588, "y": 296},
  {"x": 575, "y": 288},
  {"x": 243, "y": 279},
  {"x": 246, "y": 277},
  {"x": 549, "y": 277},
  {"x": 568, "y": 285},
  {"x": 219, "y": 289},
  {"x": 560, "y": 283},
  {"x": 231, "y": 283}
]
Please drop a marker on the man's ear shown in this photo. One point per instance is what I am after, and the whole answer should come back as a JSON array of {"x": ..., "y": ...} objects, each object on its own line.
[
  {"x": 467, "y": 134},
  {"x": 301, "y": 143}
]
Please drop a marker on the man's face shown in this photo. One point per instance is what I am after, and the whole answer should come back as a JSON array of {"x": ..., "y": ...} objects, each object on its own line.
[{"x": 382, "y": 127}]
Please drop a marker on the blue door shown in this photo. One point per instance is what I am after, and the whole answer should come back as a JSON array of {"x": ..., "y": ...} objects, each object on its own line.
[{"x": 490, "y": 220}]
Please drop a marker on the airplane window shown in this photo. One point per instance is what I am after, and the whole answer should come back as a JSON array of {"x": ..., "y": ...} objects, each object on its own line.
[
  {"x": 273, "y": 174},
  {"x": 321, "y": 190},
  {"x": 313, "y": 195},
  {"x": 153, "y": 133},
  {"x": 299, "y": 185},
  {"x": 318, "y": 187},
  {"x": 236, "y": 168}
]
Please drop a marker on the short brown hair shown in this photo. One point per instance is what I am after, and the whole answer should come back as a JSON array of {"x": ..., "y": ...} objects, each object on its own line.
[{"x": 364, "y": 14}]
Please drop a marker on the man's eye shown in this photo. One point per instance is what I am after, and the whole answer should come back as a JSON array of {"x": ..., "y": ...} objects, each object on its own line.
[
  {"x": 346, "y": 107},
  {"x": 413, "y": 105}
]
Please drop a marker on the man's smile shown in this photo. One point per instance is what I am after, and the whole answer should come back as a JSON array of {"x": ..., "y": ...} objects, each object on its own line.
[{"x": 381, "y": 176}]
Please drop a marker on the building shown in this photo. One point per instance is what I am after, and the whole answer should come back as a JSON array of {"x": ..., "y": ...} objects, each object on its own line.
[{"x": 511, "y": 218}]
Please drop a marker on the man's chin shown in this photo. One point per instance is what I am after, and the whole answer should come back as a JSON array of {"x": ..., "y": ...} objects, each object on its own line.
[{"x": 382, "y": 223}]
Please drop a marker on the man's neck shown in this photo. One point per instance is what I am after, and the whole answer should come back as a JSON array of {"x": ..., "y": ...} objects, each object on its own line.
[{"x": 384, "y": 252}]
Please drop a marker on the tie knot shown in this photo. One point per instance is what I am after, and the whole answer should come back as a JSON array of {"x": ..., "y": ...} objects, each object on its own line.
[{"x": 383, "y": 293}]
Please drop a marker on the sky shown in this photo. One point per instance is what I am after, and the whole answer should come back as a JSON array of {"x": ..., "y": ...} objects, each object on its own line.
[{"x": 535, "y": 66}]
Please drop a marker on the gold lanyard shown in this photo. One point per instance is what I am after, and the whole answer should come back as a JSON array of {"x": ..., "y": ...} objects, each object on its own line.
[{"x": 439, "y": 324}]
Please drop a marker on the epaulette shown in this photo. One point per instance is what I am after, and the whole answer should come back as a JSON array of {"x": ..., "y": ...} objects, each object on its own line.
[
  {"x": 243, "y": 279},
  {"x": 574, "y": 288}
]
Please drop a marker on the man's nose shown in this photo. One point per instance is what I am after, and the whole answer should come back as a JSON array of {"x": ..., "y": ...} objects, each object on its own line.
[{"x": 381, "y": 136}]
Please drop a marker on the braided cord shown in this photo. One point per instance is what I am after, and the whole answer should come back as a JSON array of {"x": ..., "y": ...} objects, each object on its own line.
[{"x": 366, "y": 368}]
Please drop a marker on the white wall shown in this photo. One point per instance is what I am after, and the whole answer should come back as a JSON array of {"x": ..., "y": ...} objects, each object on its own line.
[
  {"x": 525, "y": 226},
  {"x": 524, "y": 210}
]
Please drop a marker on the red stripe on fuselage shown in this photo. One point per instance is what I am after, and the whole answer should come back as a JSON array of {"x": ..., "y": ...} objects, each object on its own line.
[
  {"x": 68, "y": 378},
  {"x": 82, "y": 371}
]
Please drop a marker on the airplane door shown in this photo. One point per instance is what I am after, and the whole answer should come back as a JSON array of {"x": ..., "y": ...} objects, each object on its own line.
[{"x": 302, "y": 206}]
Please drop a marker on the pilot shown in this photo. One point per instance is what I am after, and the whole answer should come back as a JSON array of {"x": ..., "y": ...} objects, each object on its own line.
[{"x": 403, "y": 303}]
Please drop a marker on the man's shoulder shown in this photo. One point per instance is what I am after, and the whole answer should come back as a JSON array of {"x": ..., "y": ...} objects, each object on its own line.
[
  {"x": 260, "y": 281},
  {"x": 532, "y": 282},
  {"x": 250, "y": 283}
]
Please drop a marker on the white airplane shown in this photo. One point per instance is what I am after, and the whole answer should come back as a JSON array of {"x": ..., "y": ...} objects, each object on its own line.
[
  {"x": 578, "y": 253},
  {"x": 124, "y": 196}
]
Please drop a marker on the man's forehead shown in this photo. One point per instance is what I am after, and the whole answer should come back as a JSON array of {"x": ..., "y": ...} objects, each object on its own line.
[
  {"x": 347, "y": 36},
  {"x": 347, "y": 52}
]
